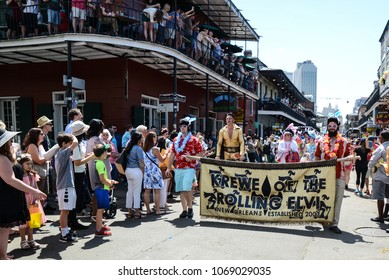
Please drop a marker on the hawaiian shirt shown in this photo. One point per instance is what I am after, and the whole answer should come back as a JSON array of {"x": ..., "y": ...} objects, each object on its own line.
[{"x": 193, "y": 147}]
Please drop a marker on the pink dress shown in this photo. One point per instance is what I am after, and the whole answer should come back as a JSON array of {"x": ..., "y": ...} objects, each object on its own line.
[{"x": 31, "y": 180}]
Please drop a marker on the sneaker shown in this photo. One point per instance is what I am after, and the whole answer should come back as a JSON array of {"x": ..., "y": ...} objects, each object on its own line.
[
  {"x": 34, "y": 245},
  {"x": 102, "y": 233},
  {"x": 68, "y": 238},
  {"x": 106, "y": 228}
]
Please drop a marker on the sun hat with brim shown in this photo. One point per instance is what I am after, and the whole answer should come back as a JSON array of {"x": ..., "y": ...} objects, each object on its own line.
[
  {"x": 5, "y": 136},
  {"x": 43, "y": 121},
  {"x": 79, "y": 127}
]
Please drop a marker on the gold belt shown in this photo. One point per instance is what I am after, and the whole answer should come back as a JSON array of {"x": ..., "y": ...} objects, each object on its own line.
[{"x": 231, "y": 149}]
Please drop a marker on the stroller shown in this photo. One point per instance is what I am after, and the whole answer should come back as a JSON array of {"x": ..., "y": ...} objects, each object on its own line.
[{"x": 110, "y": 213}]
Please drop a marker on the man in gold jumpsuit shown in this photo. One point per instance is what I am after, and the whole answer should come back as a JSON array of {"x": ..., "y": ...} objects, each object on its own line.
[{"x": 231, "y": 139}]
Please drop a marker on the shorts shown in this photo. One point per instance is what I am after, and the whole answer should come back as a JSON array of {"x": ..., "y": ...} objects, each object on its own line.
[
  {"x": 380, "y": 190},
  {"x": 184, "y": 179},
  {"x": 12, "y": 22},
  {"x": 78, "y": 13},
  {"x": 145, "y": 17},
  {"x": 67, "y": 198},
  {"x": 102, "y": 198},
  {"x": 53, "y": 17}
]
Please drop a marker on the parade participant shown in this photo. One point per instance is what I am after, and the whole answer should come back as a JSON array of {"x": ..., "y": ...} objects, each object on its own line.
[
  {"x": 13, "y": 207},
  {"x": 185, "y": 171},
  {"x": 287, "y": 146},
  {"x": 334, "y": 146},
  {"x": 380, "y": 179},
  {"x": 310, "y": 147},
  {"x": 231, "y": 140}
]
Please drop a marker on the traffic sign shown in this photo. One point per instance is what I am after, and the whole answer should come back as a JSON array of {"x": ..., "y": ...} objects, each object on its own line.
[
  {"x": 76, "y": 82},
  {"x": 169, "y": 97}
]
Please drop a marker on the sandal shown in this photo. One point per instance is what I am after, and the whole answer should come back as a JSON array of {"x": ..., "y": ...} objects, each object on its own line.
[
  {"x": 139, "y": 216},
  {"x": 24, "y": 245},
  {"x": 34, "y": 245}
]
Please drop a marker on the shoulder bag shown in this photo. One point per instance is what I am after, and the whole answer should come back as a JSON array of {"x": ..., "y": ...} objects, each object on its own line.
[{"x": 121, "y": 162}]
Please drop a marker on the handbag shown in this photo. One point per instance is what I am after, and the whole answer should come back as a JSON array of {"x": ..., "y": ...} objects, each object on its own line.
[
  {"x": 121, "y": 162},
  {"x": 292, "y": 157},
  {"x": 164, "y": 176},
  {"x": 35, "y": 216}
]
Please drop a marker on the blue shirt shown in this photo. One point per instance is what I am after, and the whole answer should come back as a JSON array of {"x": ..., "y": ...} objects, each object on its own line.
[
  {"x": 126, "y": 137},
  {"x": 136, "y": 155}
]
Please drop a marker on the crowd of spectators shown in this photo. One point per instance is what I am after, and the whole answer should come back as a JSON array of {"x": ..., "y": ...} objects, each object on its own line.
[{"x": 178, "y": 29}]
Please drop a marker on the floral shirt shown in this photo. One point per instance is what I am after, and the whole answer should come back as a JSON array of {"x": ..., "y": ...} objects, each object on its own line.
[{"x": 192, "y": 147}]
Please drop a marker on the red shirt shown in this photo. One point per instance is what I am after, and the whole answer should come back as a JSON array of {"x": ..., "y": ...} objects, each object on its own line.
[{"x": 193, "y": 147}]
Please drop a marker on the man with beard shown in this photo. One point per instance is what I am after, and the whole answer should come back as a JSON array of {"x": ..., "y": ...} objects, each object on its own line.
[{"x": 334, "y": 146}]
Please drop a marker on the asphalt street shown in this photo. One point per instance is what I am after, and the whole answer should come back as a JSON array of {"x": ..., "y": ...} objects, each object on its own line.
[{"x": 167, "y": 237}]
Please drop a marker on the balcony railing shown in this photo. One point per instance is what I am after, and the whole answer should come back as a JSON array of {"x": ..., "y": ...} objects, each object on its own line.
[
  {"x": 279, "y": 106},
  {"x": 363, "y": 120},
  {"x": 177, "y": 31}
]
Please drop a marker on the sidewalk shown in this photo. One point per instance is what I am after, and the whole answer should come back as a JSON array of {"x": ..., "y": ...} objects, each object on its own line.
[{"x": 167, "y": 237}]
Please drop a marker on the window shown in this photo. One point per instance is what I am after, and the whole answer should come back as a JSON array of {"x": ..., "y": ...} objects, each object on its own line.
[
  {"x": 152, "y": 116},
  {"x": 8, "y": 112},
  {"x": 251, "y": 107}
]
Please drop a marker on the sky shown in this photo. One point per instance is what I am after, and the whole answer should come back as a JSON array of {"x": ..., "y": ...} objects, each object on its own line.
[{"x": 341, "y": 37}]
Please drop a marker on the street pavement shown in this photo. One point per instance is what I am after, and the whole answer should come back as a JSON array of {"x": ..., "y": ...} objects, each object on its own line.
[{"x": 167, "y": 237}]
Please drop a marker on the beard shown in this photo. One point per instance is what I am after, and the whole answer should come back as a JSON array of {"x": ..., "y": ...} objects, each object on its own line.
[{"x": 332, "y": 133}]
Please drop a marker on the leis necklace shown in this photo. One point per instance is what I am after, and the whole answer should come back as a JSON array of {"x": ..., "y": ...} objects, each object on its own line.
[
  {"x": 328, "y": 154},
  {"x": 177, "y": 146}
]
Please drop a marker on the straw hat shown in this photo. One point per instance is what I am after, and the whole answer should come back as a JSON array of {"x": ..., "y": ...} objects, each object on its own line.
[
  {"x": 78, "y": 128},
  {"x": 6, "y": 135},
  {"x": 43, "y": 121}
]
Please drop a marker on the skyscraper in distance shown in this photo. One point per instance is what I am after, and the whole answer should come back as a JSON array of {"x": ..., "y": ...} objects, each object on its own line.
[{"x": 305, "y": 79}]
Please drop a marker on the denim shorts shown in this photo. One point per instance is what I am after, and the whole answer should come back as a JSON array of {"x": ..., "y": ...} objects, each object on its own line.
[{"x": 53, "y": 17}]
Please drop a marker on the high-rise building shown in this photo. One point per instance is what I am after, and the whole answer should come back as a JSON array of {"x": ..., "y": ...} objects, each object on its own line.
[{"x": 305, "y": 79}]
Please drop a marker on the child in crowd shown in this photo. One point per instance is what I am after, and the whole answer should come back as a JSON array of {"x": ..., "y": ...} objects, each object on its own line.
[
  {"x": 30, "y": 177},
  {"x": 103, "y": 186},
  {"x": 66, "y": 189}
]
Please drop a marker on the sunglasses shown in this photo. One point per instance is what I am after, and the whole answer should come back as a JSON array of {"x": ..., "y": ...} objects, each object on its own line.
[{"x": 183, "y": 125}]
